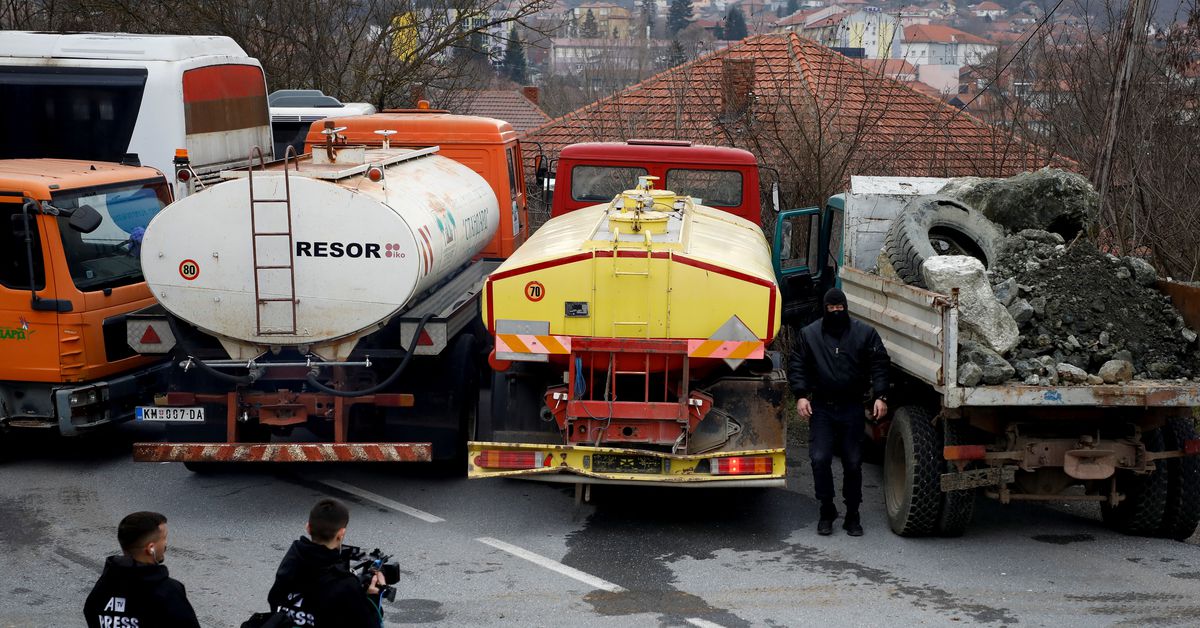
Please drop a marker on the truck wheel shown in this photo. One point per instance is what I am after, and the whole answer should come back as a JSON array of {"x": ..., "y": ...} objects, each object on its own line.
[
  {"x": 1141, "y": 512},
  {"x": 958, "y": 507},
  {"x": 463, "y": 403},
  {"x": 937, "y": 225},
  {"x": 1182, "y": 512},
  {"x": 912, "y": 464}
]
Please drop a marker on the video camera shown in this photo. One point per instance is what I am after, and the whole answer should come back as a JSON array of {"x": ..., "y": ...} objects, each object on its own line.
[{"x": 364, "y": 566}]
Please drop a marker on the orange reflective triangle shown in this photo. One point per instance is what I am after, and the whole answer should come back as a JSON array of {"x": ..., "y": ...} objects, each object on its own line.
[{"x": 151, "y": 336}]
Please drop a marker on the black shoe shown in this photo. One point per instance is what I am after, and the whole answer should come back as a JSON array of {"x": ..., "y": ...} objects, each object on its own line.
[
  {"x": 825, "y": 523},
  {"x": 852, "y": 525}
]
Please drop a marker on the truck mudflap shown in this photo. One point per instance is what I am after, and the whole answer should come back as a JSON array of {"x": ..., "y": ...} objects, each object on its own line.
[
  {"x": 283, "y": 452},
  {"x": 614, "y": 465}
]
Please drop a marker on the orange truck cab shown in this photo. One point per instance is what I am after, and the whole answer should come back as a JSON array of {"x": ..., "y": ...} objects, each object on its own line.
[{"x": 70, "y": 240}]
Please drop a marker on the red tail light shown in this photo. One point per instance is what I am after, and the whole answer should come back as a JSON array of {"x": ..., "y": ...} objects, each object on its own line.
[
  {"x": 1191, "y": 447},
  {"x": 424, "y": 340},
  {"x": 964, "y": 452},
  {"x": 493, "y": 459},
  {"x": 743, "y": 465},
  {"x": 183, "y": 174}
]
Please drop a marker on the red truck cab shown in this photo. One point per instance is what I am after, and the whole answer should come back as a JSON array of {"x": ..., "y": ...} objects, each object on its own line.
[{"x": 592, "y": 173}]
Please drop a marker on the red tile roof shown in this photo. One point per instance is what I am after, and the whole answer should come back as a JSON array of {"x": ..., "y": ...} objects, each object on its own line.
[
  {"x": 987, "y": 6},
  {"x": 801, "y": 91},
  {"x": 888, "y": 67},
  {"x": 939, "y": 34},
  {"x": 509, "y": 105}
]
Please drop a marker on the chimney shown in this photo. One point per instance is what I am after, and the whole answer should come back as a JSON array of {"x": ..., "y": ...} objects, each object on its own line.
[
  {"x": 531, "y": 93},
  {"x": 737, "y": 86}
]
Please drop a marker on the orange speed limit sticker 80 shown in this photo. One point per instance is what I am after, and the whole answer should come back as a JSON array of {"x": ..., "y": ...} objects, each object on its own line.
[{"x": 535, "y": 291}]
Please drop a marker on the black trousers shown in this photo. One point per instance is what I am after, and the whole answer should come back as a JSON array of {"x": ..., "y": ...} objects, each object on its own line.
[{"x": 837, "y": 425}]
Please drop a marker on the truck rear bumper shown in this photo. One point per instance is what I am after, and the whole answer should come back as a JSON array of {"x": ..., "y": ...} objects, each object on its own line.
[
  {"x": 613, "y": 465},
  {"x": 282, "y": 452}
]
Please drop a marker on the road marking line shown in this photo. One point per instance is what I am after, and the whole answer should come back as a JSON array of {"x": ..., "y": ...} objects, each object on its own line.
[
  {"x": 552, "y": 565},
  {"x": 703, "y": 623},
  {"x": 382, "y": 501}
]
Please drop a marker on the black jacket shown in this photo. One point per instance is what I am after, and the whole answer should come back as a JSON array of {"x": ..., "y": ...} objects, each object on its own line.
[
  {"x": 314, "y": 586},
  {"x": 829, "y": 368},
  {"x": 134, "y": 595}
]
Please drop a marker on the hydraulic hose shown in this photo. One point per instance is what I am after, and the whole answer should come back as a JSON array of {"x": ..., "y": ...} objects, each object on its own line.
[
  {"x": 240, "y": 380},
  {"x": 385, "y": 384}
]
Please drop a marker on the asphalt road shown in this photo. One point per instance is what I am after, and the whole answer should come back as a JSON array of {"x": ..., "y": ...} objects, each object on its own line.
[{"x": 516, "y": 553}]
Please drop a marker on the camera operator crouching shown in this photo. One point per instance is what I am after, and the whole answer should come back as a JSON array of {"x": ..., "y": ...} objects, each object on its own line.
[{"x": 314, "y": 585}]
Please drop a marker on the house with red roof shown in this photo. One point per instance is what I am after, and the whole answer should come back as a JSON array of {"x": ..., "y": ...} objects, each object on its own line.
[
  {"x": 516, "y": 107},
  {"x": 808, "y": 111},
  {"x": 937, "y": 44},
  {"x": 988, "y": 9}
]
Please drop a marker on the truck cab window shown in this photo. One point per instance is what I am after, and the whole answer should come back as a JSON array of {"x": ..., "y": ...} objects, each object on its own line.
[
  {"x": 800, "y": 242},
  {"x": 602, "y": 183},
  {"x": 110, "y": 256},
  {"x": 715, "y": 188},
  {"x": 14, "y": 261}
]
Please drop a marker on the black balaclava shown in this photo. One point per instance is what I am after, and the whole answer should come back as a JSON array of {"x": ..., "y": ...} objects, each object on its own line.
[{"x": 835, "y": 322}]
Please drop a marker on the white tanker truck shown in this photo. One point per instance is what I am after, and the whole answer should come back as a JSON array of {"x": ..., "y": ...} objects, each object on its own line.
[{"x": 337, "y": 292}]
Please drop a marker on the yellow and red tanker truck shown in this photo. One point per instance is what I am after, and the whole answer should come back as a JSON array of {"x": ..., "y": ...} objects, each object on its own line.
[{"x": 631, "y": 336}]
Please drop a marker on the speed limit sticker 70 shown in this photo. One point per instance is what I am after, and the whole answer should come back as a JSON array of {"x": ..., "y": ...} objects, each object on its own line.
[
  {"x": 189, "y": 269},
  {"x": 535, "y": 291}
]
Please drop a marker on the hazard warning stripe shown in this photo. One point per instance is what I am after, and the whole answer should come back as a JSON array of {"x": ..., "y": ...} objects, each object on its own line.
[
  {"x": 282, "y": 452},
  {"x": 731, "y": 349},
  {"x": 531, "y": 343}
]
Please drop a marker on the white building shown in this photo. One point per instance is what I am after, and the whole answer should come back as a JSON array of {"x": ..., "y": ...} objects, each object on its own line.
[{"x": 934, "y": 44}]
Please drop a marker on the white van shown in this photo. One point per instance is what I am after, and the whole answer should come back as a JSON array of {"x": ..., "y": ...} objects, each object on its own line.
[{"x": 99, "y": 96}]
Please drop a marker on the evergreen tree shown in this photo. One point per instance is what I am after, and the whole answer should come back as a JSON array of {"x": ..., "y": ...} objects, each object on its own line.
[
  {"x": 649, "y": 13},
  {"x": 590, "y": 29},
  {"x": 735, "y": 25},
  {"x": 679, "y": 16},
  {"x": 514, "y": 58}
]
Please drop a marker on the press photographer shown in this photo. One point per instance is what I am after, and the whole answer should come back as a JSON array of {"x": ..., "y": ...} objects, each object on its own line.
[{"x": 315, "y": 586}]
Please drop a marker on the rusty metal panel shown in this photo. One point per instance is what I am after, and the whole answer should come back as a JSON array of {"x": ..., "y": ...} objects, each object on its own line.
[
  {"x": 1186, "y": 298},
  {"x": 1142, "y": 394},
  {"x": 909, "y": 320},
  {"x": 283, "y": 452},
  {"x": 978, "y": 478}
]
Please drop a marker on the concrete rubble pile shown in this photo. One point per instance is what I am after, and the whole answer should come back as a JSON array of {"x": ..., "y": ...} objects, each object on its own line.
[
  {"x": 1051, "y": 312},
  {"x": 1087, "y": 317}
]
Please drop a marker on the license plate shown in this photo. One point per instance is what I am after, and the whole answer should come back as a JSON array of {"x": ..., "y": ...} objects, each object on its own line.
[
  {"x": 171, "y": 415},
  {"x": 611, "y": 463}
]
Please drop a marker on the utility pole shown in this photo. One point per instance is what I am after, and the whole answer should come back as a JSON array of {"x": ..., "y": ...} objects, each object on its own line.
[{"x": 1132, "y": 38}]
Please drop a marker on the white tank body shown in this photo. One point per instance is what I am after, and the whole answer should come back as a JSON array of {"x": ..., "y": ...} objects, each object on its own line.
[{"x": 361, "y": 251}]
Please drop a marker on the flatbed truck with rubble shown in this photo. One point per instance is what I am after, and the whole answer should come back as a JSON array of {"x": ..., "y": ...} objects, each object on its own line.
[{"x": 1130, "y": 447}]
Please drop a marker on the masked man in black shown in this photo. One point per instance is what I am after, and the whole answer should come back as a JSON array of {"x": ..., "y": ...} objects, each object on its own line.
[
  {"x": 314, "y": 586},
  {"x": 134, "y": 591},
  {"x": 833, "y": 364}
]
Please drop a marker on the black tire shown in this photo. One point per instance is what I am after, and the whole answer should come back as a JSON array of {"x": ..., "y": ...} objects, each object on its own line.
[
  {"x": 1141, "y": 512},
  {"x": 912, "y": 464},
  {"x": 1181, "y": 514},
  {"x": 963, "y": 231},
  {"x": 462, "y": 368},
  {"x": 958, "y": 507},
  {"x": 203, "y": 468}
]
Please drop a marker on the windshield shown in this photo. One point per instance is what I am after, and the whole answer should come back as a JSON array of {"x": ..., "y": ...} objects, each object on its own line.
[
  {"x": 715, "y": 188},
  {"x": 602, "y": 183},
  {"x": 69, "y": 113},
  {"x": 110, "y": 256}
]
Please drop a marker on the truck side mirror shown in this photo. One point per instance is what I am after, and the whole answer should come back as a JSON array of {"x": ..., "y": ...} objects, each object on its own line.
[
  {"x": 775, "y": 196},
  {"x": 85, "y": 219},
  {"x": 539, "y": 170}
]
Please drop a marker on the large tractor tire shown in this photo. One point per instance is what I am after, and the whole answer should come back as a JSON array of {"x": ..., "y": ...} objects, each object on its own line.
[
  {"x": 462, "y": 370},
  {"x": 958, "y": 507},
  {"x": 1181, "y": 514},
  {"x": 1141, "y": 512},
  {"x": 912, "y": 464},
  {"x": 936, "y": 225}
]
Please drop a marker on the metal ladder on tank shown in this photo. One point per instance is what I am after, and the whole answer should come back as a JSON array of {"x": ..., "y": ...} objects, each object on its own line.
[{"x": 259, "y": 300}]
